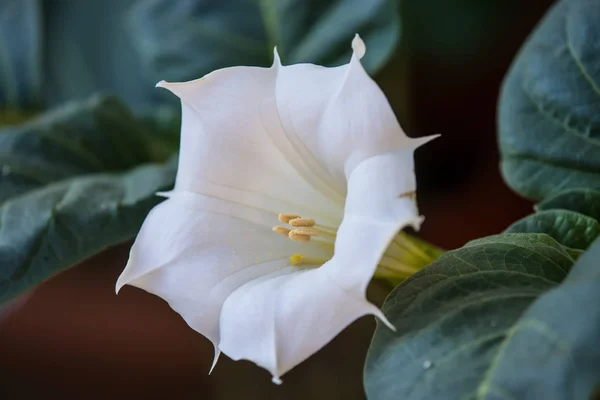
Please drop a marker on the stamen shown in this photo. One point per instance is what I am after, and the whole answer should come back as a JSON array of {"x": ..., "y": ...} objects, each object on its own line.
[
  {"x": 299, "y": 237},
  {"x": 281, "y": 230},
  {"x": 303, "y": 229},
  {"x": 285, "y": 218},
  {"x": 327, "y": 232},
  {"x": 302, "y": 222},
  {"x": 306, "y": 230}
]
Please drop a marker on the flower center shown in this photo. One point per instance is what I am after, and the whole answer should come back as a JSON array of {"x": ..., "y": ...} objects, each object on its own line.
[
  {"x": 404, "y": 256},
  {"x": 303, "y": 229}
]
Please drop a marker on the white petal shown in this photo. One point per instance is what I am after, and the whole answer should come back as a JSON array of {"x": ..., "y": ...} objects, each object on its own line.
[
  {"x": 379, "y": 204},
  {"x": 233, "y": 145},
  {"x": 337, "y": 116},
  {"x": 280, "y": 320},
  {"x": 256, "y": 142},
  {"x": 195, "y": 259}
]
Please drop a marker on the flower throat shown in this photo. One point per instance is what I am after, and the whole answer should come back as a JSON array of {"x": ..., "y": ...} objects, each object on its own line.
[{"x": 405, "y": 254}]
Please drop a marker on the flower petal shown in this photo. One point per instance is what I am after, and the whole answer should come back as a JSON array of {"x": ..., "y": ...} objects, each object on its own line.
[
  {"x": 256, "y": 142},
  {"x": 288, "y": 315},
  {"x": 233, "y": 145},
  {"x": 195, "y": 259},
  {"x": 281, "y": 319},
  {"x": 337, "y": 116},
  {"x": 380, "y": 203}
]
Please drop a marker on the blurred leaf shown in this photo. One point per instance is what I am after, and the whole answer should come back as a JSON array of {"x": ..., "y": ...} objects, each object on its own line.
[
  {"x": 20, "y": 53},
  {"x": 584, "y": 201},
  {"x": 98, "y": 135},
  {"x": 187, "y": 39},
  {"x": 12, "y": 117},
  {"x": 88, "y": 48},
  {"x": 49, "y": 229},
  {"x": 69, "y": 49},
  {"x": 550, "y": 105},
  {"x": 465, "y": 328},
  {"x": 569, "y": 228},
  {"x": 163, "y": 123},
  {"x": 72, "y": 183}
]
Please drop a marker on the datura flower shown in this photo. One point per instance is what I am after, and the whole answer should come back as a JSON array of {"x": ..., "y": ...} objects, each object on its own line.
[{"x": 293, "y": 183}]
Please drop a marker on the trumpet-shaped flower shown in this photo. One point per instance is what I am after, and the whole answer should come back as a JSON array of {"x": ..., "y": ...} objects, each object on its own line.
[{"x": 293, "y": 183}]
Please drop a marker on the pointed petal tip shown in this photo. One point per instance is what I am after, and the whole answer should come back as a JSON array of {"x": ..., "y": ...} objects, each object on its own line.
[
  {"x": 381, "y": 316},
  {"x": 276, "y": 380},
  {"x": 123, "y": 279},
  {"x": 164, "y": 194},
  {"x": 173, "y": 87},
  {"x": 276, "y": 58},
  {"x": 358, "y": 46},
  {"x": 214, "y": 363},
  {"x": 417, "y": 222},
  {"x": 119, "y": 285},
  {"x": 420, "y": 141}
]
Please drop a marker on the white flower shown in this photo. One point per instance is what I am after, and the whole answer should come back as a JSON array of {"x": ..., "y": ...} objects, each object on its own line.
[{"x": 320, "y": 146}]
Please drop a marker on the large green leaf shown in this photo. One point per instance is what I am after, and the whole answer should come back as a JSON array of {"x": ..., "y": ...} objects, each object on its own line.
[
  {"x": 98, "y": 135},
  {"x": 552, "y": 352},
  {"x": 87, "y": 48},
  {"x": 457, "y": 318},
  {"x": 49, "y": 229},
  {"x": 584, "y": 201},
  {"x": 549, "y": 123},
  {"x": 185, "y": 40},
  {"x": 55, "y": 51},
  {"x": 74, "y": 181},
  {"x": 569, "y": 228}
]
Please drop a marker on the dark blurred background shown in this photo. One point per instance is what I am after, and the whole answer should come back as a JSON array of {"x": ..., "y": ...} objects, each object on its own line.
[{"x": 74, "y": 338}]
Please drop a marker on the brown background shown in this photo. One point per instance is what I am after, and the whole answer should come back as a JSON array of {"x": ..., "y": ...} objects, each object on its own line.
[{"x": 74, "y": 338}]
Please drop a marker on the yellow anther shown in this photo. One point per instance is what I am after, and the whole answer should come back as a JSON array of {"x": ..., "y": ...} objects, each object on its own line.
[
  {"x": 281, "y": 230},
  {"x": 296, "y": 259},
  {"x": 285, "y": 218},
  {"x": 299, "y": 237},
  {"x": 303, "y": 228},
  {"x": 306, "y": 230},
  {"x": 302, "y": 222},
  {"x": 411, "y": 195}
]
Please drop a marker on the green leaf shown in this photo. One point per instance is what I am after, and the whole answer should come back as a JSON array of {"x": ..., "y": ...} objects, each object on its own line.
[
  {"x": 68, "y": 49},
  {"x": 49, "y": 229},
  {"x": 74, "y": 181},
  {"x": 88, "y": 47},
  {"x": 583, "y": 201},
  {"x": 569, "y": 228},
  {"x": 548, "y": 114},
  {"x": 98, "y": 135},
  {"x": 552, "y": 352},
  {"x": 185, "y": 40},
  {"x": 457, "y": 319},
  {"x": 20, "y": 54}
]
